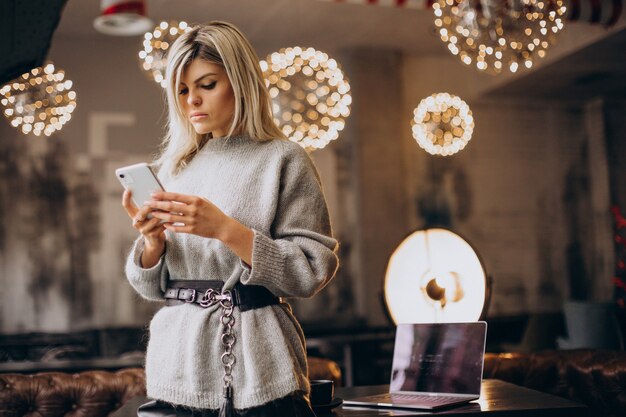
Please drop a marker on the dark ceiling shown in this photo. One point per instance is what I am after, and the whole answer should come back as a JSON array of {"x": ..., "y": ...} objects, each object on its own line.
[
  {"x": 26, "y": 28},
  {"x": 598, "y": 70}
]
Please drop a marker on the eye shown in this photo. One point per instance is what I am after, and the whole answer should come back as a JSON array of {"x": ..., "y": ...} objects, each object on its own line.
[
  {"x": 209, "y": 86},
  {"x": 182, "y": 91}
]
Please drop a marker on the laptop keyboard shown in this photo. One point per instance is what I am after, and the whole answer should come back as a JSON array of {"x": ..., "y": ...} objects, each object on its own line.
[{"x": 413, "y": 399}]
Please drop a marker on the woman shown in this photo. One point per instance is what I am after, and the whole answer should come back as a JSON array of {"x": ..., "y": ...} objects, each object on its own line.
[{"x": 243, "y": 222}]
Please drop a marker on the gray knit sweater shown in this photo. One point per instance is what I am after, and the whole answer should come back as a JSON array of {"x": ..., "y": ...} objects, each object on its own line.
[{"x": 273, "y": 188}]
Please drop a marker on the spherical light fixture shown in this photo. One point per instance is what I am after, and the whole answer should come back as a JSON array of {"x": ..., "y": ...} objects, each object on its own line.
[
  {"x": 442, "y": 124},
  {"x": 434, "y": 275},
  {"x": 498, "y": 35},
  {"x": 311, "y": 97},
  {"x": 39, "y": 101},
  {"x": 155, "y": 45}
]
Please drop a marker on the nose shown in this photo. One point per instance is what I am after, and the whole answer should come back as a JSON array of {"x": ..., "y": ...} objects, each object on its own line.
[{"x": 193, "y": 98}]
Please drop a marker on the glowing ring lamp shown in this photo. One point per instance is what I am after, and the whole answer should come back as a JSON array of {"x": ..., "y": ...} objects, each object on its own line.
[{"x": 435, "y": 276}]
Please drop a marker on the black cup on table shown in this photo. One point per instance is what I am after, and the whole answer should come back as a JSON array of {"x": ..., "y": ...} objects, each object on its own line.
[{"x": 322, "y": 392}]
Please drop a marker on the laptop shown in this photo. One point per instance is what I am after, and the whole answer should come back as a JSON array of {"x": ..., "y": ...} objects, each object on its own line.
[{"x": 434, "y": 366}]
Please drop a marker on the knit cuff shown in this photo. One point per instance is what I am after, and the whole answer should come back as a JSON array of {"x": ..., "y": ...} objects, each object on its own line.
[
  {"x": 267, "y": 262},
  {"x": 138, "y": 252},
  {"x": 146, "y": 281}
]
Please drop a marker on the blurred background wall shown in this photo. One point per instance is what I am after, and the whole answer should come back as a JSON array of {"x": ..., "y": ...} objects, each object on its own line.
[{"x": 531, "y": 191}]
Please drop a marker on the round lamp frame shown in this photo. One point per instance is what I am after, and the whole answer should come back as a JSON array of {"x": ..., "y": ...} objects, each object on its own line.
[{"x": 488, "y": 279}]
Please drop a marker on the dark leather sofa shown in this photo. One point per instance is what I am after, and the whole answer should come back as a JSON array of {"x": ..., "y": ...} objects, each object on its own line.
[
  {"x": 596, "y": 378},
  {"x": 93, "y": 393}
]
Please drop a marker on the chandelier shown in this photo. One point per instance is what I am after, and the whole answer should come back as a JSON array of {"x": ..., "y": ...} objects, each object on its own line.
[
  {"x": 155, "y": 45},
  {"x": 442, "y": 124},
  {"x": 495, "y": 35},
  {"x": 310, "y": 95},
  {"x": 39, "y": 101}
]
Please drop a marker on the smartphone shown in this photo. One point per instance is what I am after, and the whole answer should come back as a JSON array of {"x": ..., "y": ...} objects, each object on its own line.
[{"x": 140, "y": 180}]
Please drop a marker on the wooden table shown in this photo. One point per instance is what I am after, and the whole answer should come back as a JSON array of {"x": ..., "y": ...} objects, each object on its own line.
[{"x": 497, "y": 399}]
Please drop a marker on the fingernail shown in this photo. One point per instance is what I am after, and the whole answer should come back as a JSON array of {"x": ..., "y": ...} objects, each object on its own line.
[{"x": 147, "y": 203}]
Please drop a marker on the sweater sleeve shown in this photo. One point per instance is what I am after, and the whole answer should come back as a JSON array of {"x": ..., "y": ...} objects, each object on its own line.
[
  {"x": 299, "y": 258},
  {"x": 150, "y": 283}
]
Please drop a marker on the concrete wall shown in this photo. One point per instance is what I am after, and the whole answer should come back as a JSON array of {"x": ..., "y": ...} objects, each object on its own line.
[
  {"x": 64, "y": 234},
  {"x": 529, "y": 191}
]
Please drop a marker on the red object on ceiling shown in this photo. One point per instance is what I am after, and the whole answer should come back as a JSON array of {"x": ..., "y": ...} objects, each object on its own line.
[{"x": 125, "y": 7}]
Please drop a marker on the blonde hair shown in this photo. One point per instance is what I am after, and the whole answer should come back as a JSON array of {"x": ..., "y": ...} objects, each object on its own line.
[{"x": 220, "y": 43}]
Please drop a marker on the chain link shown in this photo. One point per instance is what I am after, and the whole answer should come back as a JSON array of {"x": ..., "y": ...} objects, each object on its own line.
[
  {"x": 228, "y": 338},
  {"x": 225, "y": 300}
]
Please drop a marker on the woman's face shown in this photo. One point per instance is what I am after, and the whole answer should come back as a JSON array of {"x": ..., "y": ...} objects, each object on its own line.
[{"x": 207, "y": 98}]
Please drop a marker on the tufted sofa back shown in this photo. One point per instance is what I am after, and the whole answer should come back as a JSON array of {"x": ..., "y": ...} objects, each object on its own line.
[
  {"x": 58, "y": 394},
  {"x": 596, "y": 378},
  {"x": 94, "y": 393},
  {"x": 593, "y": 377}
]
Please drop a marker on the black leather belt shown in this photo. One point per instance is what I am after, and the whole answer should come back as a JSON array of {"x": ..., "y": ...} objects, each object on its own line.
[{"x": 245, "y": 297}]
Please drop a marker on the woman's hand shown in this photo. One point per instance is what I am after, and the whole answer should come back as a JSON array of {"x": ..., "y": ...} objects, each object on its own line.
[
  {"x": 194, "y": 215},
  {"x": 152, "y": 230},
  {"x": 198, "y": 216}
]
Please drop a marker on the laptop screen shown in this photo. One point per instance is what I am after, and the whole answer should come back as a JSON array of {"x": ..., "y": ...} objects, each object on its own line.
[{"x": 442, "y": 357}]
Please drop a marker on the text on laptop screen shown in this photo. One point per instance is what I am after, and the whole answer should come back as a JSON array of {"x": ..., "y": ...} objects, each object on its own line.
[{"x": 443, "y": 358}]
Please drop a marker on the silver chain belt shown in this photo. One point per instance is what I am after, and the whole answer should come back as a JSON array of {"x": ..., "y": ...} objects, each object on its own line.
[{"x": 225, "y": 300}]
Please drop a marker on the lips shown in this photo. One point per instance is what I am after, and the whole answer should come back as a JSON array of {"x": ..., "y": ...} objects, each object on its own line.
[{"x": 197, "y": 116}]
